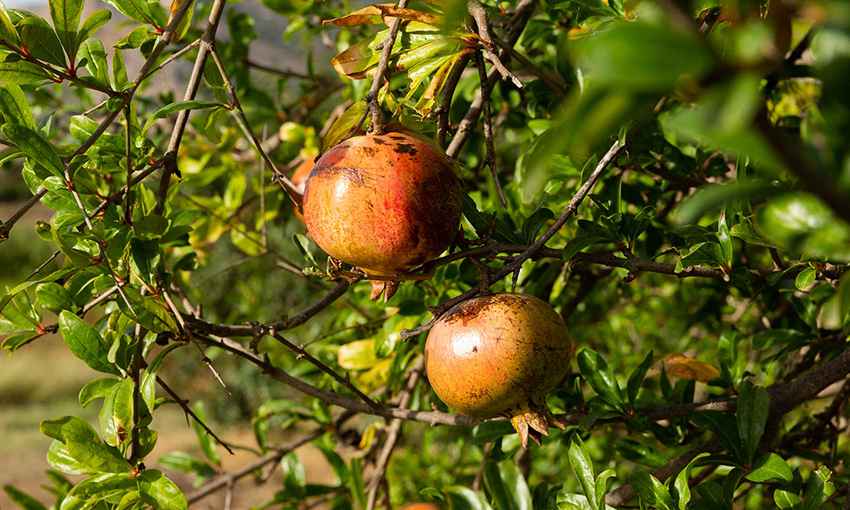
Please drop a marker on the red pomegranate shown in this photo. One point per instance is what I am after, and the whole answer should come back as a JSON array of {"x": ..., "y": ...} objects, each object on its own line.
[
  {"x": 499, "y": 355},
  {"x": 383, "y": 203}
]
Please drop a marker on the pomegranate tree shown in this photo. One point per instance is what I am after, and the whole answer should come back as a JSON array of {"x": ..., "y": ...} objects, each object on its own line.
[
  {"x": 383, "y": 203},
  {"x": 499, "y": 355}
]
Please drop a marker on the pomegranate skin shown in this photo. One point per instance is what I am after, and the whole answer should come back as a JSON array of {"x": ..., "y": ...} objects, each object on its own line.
[
  {"x": 299, "y": 180},
  {"x": 384, "y": 203},
  {"x": 498, "y": 355}
]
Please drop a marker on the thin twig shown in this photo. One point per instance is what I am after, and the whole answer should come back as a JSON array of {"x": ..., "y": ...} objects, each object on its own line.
[
  {"x": 522, "y": 14},
  {"x": 393, "y": 433},
  {"x": 488, "y": 131},
  {"x": 476, "y": 10},
  {"x": 303, "y": 354},
  {"x": 242, "y": 121},
  {"x": 377, "y": 125},
  {"x": 223, "y": 481},
  {"x": 6, "y": 226},
  {"x": 206, "y": 41},
  {"x": 188, "y": 410}
]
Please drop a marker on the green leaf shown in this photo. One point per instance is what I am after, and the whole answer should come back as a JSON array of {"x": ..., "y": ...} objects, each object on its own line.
[
  {"x": 464, "y": 498},
  {"x": 723, "y": 120},
  {"x": 345, "y": 125},
  {"x": 85, "y": 342},
  {"x": 22, "y": 499},
  {"x": 682, "y": 485},
  {"x": 181, "y": 461},
  {"x": 41, "y": 40},
  {"x": 93, "y": 22},
  {"x": 204, "y": 438},
  {"x": 355, "y": 483},
  {"x": 713, "y": 197},
  {"x": 53, "y": 297},
  {"x": 785, "y": 500},
  {"x": 602, "y": 486},
  {"x": 14, "y": 106},
  {"x": 35, "y": 147},
  {"x": 752, "y": 412},
  {"x": 178, "y": 106},
  {"x": 58, "y": 457},
  {"x": 135, "y": 9},
  {"x": 91, "y": 491},
  {"x": 637, "y": 377},
  {"x": 94, "y": 53},
  {"x": 595, "y": 371},
  {"x": 818, "y": 489},
  {"x": 583, "y": 468},
  {"x": 803, "y": 225},
  {"x": 770, "y": 468},
  {"x": 121, "y": 412},
  {"x": 641, "y": 56},
  {"x": 84, "y": 447},
  {"x": 96, "y": 389},
  {"x": 8, "y": 32},
  {"x": 21, "y": 73},
  {"x": 66, "y": 20},
  {"x": 157, "y": 490},
  {"x": 496, "y": 488},
  {"x": 805, "y": 278}
]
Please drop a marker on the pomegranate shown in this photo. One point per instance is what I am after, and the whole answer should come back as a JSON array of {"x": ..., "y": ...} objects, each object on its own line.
[
  {"x": 299, "y": 180},
  {"x": 383, "y": 203},
  {"x": 499, "y": 355},
  {"x": 421, "y": 506}
]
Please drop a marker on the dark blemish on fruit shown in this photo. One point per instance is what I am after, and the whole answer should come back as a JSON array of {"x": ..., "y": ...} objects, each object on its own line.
[
  {"x": 379, "y": 140},
  {"x": 406, "y": 148},
  {"x": 468, "y": 310}
]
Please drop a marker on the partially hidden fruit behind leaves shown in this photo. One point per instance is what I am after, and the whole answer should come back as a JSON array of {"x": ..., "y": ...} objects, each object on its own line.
[
  {"x": 421, "y": 506},
  {"x": 499, "y": 355},
  {"x": 299, "y": 180},
  {"x": 383, "y": 203}
]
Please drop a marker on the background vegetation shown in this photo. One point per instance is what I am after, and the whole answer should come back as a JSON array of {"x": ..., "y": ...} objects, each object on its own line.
[{"x": 672, "y": 176}]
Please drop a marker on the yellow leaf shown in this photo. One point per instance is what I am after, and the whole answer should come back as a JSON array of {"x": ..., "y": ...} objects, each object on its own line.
[
  {"x": 685, "y": 367},
  {"x": 355, "y": 60},
  {"x": 377, "y": 13},
  {"x": 357, "y": 355}
]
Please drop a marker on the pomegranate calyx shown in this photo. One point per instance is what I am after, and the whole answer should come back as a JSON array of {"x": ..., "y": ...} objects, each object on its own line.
[
  {"x": 534, "y": 423},
  {"x": 385, "y": 288}
]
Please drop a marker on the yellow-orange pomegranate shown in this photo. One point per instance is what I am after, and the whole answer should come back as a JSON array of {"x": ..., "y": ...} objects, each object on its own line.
[
  {"x": 499, "y": 355},
  {"x": 421, "y": 506},
  {"x": 383, "y": 203}
]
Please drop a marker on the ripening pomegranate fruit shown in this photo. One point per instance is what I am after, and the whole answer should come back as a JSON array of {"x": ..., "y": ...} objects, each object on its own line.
[
  {"x": 299, "y": 180},
  {"x": 421, "y": 506},
  {"x": 499, "y": 355},
  {"x": 383, "y": 203}
]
